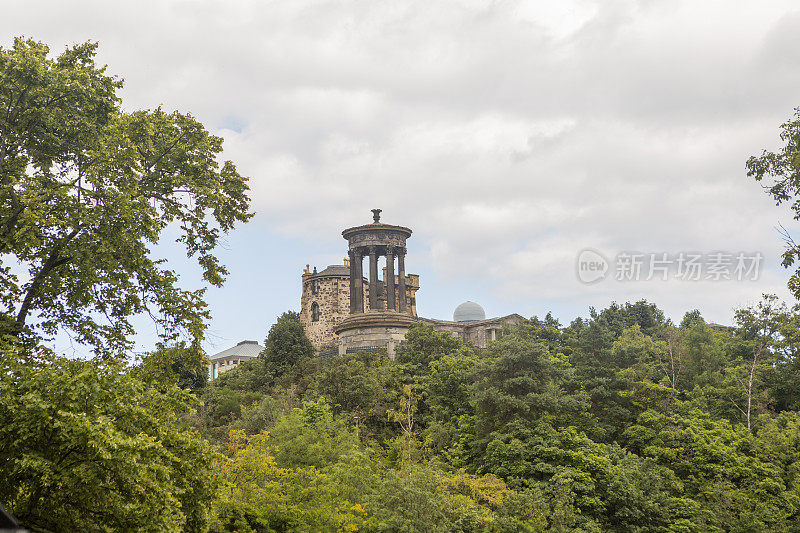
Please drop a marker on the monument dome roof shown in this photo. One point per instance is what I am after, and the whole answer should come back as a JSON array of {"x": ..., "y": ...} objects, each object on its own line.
[{"x": 469, "y": 312}]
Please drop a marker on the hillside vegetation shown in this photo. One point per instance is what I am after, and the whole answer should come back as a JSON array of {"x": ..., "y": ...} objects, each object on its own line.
[{"x": 620, "y": 422}]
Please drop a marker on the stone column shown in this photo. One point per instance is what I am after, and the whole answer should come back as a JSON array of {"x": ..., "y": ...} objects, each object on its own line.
[
  {"x": 390, "y": 279},
  {"x": 401, "y": 273},
  {"x": 353, "y": 295},
  {"x": 373, "y": 279},
  {"x": 359, "y": 283}
]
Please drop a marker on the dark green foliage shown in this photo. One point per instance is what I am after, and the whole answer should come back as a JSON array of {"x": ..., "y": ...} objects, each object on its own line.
[
  {"x": 364, "y": 386},
  {"x": 181, "y": 365},
  {"x": 520, "y": 379},
  {"x": 424, "y": 345},
  {"x": 286, "y": 344},
  {"x": 598, "y": 426}
]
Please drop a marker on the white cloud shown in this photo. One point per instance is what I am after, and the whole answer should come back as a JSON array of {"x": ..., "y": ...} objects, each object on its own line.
[{"x": 508, "y": 135}]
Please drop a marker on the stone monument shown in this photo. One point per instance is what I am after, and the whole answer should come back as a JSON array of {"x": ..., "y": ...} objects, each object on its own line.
[{"x": 383, "y": 323}]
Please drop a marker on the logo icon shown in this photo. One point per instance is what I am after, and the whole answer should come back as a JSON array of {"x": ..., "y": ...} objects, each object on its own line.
[{"x": 592, "y": 266}]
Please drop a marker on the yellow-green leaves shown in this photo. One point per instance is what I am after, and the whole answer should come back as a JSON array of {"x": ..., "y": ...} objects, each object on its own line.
[{"x": 88, "y": 447}]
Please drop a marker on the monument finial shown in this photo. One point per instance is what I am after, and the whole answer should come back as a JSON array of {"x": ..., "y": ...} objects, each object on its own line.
[{"x": 376, "y": 216}]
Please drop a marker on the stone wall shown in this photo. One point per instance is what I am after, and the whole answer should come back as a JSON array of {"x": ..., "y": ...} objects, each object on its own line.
[
  {"x": 332, "y": 295},
  {"x": 372, "y": 338}
]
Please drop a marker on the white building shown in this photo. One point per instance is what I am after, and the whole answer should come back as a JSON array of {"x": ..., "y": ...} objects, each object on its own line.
[{"x": 230, "y": 358}]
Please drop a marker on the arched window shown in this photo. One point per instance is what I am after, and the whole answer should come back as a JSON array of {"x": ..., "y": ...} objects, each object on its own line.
[{"x": 315, "y": 312}]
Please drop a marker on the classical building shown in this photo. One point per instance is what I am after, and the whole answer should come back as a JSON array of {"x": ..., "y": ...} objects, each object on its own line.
[
  {"x": 471, "y": 325},
  {"x": 345, "y": 310},
  {"x": 227, "y": 359}
]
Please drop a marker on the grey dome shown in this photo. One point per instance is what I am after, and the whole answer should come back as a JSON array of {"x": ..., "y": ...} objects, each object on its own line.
[{"x": 469, "y": 312}]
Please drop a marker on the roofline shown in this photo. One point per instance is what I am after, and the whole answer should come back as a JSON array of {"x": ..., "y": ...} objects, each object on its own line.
[
  {"x": 376, "y": 227},
  {"x": 319, "y": 275},
  {"x": 215, "y": 357},
  {"x": 474, "y": 322}
]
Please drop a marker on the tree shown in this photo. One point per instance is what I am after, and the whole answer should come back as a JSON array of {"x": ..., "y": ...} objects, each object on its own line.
[
  {"x": 311, "y": 436},
  {"x": 672, "y": 359},
  {"x": 520, "y": 382},
  {"x": 718, "y": 466},
  {"x": 758, "y": 328},
  {"x": 424, "y": 345},
  {"x": 86, "y": 189},
  {"x": 635, "y": 349},
  {"x": 286, "y": 343},
  {"x": 785, "y": 382},
  {"x": 783, "y": 169},
  {"x": 364, "y": 385},
  {"x": 86, "y": 446},
  {"x": 261, "y": 496},
  {"x": 174, "y": 365},
  {"x": 404, "y": 416}
]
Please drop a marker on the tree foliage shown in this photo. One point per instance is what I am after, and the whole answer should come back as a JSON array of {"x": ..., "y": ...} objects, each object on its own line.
[
  {"x": 286, "y": 343},
  {"x": 620, "y": 421},
  {"x": 781, "y": 171},
  {"x": 87, "y": 189},
  {"x": 86, "y": 446}
]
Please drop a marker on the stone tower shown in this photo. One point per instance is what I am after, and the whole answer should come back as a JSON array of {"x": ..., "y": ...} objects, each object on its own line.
[
  {"x": 325, "y": 300},
  {"x": 376, "y": 322}
]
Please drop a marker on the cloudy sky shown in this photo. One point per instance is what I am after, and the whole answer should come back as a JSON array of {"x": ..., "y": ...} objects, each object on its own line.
[{"x": 509, "y": 135}]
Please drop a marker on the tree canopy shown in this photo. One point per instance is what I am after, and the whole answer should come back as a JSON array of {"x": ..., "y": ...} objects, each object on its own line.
[
  {"x": 87, "y": 189},
  {"x": 781, "y": 171}
]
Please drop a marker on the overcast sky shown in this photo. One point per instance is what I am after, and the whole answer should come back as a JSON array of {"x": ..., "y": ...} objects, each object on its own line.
[{"x": 508, "y": 135}]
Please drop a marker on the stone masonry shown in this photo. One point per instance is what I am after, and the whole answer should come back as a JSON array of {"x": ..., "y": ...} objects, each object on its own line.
[{"x": 330, "y": 291}]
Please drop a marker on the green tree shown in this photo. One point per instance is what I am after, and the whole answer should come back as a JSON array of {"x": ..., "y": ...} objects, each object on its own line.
[
  {"x": 599, "y": 366},
  {"x": 86, "y": 190},
  {"x": 785, "y": 379},
  {"x": 718, "y": 466},
  {"x": 448, "y": 394},
  {"x": 179, "y": 364},
  {"x": 672, "y": 358},
  {"x": 521, "y": 380},
  {"x": 705, "y": 354},
  {"x": 778, "y": 442},
  {"x": 641, "y": 356},
  {"x": 424, "y": 345},
  {"x": 362, "y": 385},
  {"x": 758, "y": 330},
  {"x": 782, "y": 171},
  {"x": 86, "y": 446},
  {"x": 286, "y": 343},
  {"x": 261, "y": 496},
  {"x": 311, "y": 436}
]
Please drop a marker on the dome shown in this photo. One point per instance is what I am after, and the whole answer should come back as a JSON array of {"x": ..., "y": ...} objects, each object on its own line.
[{"x": 469, "y": 312}]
